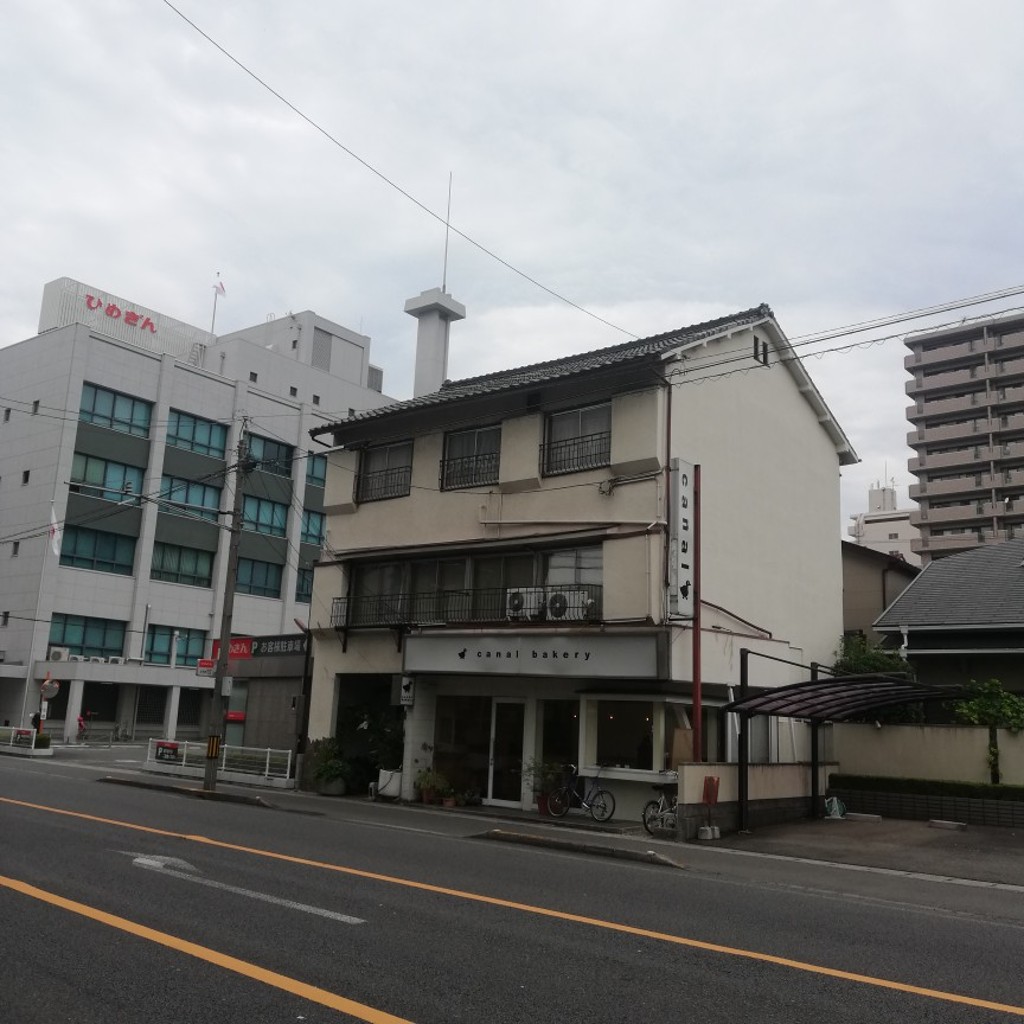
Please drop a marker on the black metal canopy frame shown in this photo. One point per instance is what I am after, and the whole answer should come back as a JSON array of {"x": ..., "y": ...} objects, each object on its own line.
[
  {"x": 840, "y": 697},
  {"x": 834, "y": 699}
]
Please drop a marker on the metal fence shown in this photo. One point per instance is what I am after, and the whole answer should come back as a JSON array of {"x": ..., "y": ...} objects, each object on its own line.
[
  {"x": 23, "y": 739},
  {"x": 262, "y": 761}
]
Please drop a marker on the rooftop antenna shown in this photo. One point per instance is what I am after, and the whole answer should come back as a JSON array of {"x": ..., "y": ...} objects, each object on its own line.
[
  {"x": 218, "y": 289},
  {"x": 447, "y": 223}
]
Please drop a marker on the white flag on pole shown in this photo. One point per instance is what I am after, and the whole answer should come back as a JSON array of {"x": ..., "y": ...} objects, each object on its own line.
[
  {"x": 219, "y": 288},
  {"x": 56, "y": 531}
]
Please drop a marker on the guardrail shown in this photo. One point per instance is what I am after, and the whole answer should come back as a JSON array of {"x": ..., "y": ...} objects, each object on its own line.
[{"x": 265, "y": 762}]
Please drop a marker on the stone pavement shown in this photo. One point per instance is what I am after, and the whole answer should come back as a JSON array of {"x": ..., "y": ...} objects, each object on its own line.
[{"x": 976, "y": 852}]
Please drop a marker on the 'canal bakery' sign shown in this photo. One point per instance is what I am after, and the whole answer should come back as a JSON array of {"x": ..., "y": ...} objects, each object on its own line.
[
  {"x": 681, "y": 541},
  {"x": 621, "y": 657}
]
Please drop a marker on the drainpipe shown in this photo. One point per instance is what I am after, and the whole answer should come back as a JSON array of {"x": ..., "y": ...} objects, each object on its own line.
[
  {"x": 743, "y": 765},
  {"x": 815, "y": 754}
]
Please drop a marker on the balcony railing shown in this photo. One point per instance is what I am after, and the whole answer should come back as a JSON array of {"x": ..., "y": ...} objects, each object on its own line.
[
  {"x": 569, "y": 604},
  {"x": 576, "y": 454},
  {"x": 469, "y": 471},
  {"x": 384, "y": 483}
]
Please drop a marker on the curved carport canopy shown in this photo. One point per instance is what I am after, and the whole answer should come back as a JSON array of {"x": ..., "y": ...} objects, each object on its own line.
[
  {"x": 840, "y": 697},
  {"x": 834, "y": 699}
]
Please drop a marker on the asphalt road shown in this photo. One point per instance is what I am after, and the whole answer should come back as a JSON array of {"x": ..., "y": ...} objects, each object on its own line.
[{"x": 125, "y": 904}]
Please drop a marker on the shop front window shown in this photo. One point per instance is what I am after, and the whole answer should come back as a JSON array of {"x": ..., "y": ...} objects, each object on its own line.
[{"x": 625, "y": 734}]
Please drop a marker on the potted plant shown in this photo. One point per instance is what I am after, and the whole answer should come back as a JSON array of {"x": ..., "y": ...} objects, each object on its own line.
[
  {"x": 430, "y": 783},
  {"x": 448, "y": 796},
  {"x": 544, "y": 776},
  {"x": 331, "y": 770}
]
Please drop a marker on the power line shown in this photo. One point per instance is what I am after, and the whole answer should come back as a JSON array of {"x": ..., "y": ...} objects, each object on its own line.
[{"x": 391, "y": 183}]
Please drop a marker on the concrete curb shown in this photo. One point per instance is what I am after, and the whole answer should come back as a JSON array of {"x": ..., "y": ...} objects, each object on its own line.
[
  {"x": 199, "y": 794},
  {"x": 576, "y": 846}
]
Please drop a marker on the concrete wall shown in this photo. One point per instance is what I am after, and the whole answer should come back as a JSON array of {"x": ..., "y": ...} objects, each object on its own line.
[
  {"x": 766, "y": 781},
  {"x": 769, "y": 497},
  {"x": 949, "y": 752}
]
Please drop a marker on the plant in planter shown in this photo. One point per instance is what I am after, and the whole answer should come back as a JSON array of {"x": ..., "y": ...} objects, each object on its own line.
[
  {"x": 331, "y": 770},
  {"x": 431, "y": 784},
  {"x": 544, "y": 776},
  {"x": 448, "y": 798}
]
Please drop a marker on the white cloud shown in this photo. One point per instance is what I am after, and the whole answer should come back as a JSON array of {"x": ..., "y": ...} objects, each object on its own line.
[{"x": 657, "y": 163}]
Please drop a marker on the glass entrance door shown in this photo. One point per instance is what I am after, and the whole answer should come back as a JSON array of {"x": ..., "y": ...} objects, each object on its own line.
[{"x": 505, "y": 781}]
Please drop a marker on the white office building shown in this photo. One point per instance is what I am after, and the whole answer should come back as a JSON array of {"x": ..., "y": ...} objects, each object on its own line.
[{"x": 119, "y": 434}]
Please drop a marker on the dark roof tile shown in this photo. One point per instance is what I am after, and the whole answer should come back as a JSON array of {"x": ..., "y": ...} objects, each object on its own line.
[
  {"x": 566, "y": 366},
  {"x": 981, "y": 587}
]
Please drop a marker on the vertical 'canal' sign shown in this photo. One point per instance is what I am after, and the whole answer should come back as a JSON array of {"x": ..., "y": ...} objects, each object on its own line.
[{"x": 681, "y": 538}]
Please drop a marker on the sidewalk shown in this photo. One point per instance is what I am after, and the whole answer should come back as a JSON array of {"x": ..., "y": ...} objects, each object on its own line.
[
  {"x": 977, "y": 852},
  {"x": 987, "y": 855}
]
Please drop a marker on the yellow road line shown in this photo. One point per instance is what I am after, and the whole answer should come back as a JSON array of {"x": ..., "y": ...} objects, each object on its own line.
[
  {"x": 527, "y": 908},
  {"x": 229, "y": 963}
]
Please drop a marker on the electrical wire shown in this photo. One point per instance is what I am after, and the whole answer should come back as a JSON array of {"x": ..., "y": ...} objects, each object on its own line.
[{"x": 390, "y": 182}]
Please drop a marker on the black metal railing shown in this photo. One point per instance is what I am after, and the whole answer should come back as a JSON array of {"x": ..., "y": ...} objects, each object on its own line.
[
  {"x": 576, "y": 453},
  {"x": 552, "y": 604},
  {"x": 384, "y": 483},
  {"x": 469, "y": 471}
]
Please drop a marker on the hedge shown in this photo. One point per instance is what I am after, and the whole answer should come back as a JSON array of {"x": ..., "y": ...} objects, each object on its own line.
[{"x": 925, "y": 787}]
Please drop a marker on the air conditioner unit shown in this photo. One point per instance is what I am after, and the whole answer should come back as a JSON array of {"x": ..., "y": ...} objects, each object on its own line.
[
  {"x": 98, "y": 661},
  {"x": 569, "y": 605},
  {"x": 58, "y": 654},
  {"x": 75, "y": 657},
  {"x": 115, "y": 661},
  {"x": 524, "y": 602}
]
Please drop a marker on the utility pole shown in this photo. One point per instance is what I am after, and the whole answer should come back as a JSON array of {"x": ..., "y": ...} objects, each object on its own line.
[{"x": 213, "y": 740}]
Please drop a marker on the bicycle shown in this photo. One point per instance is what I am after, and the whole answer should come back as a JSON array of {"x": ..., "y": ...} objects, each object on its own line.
[
  {"x": 661, "y": 813},
  {"x": 599, "y": 802}
]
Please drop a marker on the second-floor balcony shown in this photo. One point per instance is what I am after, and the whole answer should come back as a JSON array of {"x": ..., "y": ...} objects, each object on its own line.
[
  {"x": 590, "y": 451},
  {"x": 554, "y": 604},
  {"x": 395, "y": 482},
  {"x": 470, "y": 471}
]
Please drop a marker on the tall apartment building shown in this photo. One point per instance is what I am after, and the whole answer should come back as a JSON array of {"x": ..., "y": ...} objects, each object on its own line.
[
  {"x": 968, "y": 436},
  {"x": 119, "y": 431}
]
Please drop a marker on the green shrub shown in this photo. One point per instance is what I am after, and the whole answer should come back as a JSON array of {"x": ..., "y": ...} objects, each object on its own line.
[
  {"x": 42, "y": 742},
  {"x": 925, "y": 787}
]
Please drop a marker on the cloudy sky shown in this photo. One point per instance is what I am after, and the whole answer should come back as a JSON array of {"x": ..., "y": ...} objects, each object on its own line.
[{"x": 656, "y": 163}]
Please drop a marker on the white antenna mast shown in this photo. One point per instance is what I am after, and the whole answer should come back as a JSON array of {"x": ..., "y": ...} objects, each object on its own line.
[{"x": 447, "y": 222}]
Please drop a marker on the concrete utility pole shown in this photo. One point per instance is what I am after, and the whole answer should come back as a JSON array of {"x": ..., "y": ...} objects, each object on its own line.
[{"x": 242, "y": 466}]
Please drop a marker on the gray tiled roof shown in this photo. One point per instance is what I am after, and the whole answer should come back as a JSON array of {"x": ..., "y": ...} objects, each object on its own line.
[
  {"x": 567, "y": 366},
  {"x": 982, "y": 587}
]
